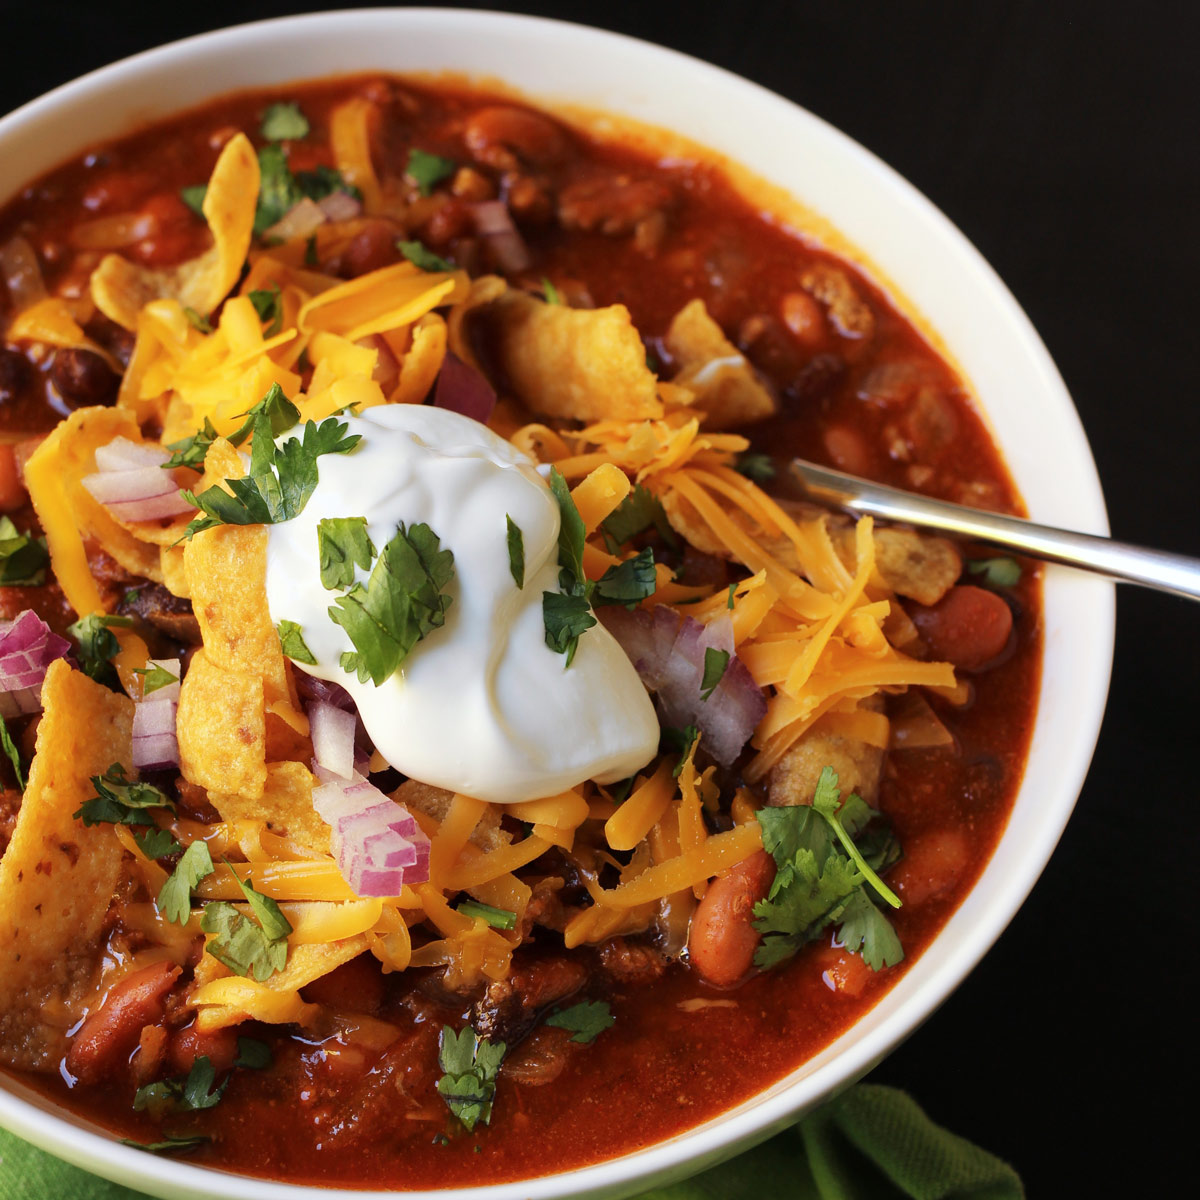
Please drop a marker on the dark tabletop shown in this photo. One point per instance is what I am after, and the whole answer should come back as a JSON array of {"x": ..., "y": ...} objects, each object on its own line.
[{"x": 1061, "y": 138}]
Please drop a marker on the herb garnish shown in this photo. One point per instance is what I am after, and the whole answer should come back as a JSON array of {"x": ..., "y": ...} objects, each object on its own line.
[
  {"x": 567, "y": 614},
  {"x": 191, "y": 451},
  {"x": 497, "y": 918},
  {"x": 169, "y": 1145},
  {"x": 12, "y": 754},
  {"x": 684, "y": 740},
  {"x": 247, "y": 948},
  {"x": 293, "y": 644},
  {"x": 471, "y": 1065},
  {"x": 189, "y": 1093},
  {"x": 120, "y": 800},
  {"x": 97, "y": 643},
  {"x": 427, "y": 170},
  {"x": 640, "y": 510},
  {"x": 23, "y": 559},
  {"x": 586, "y": 1020},
  {"x": 342, "y": 545},
  {"x": 516, "y": 551},
  {"x": 626, "y": 583},
  {"x": 421, "y": 256},
  {"x": 715, "y": 662},
  {"x": 198, "y": 320},
  {"x": 156, "y": 843},
  {"x": 729, "y": 599},
  {"x": 758, "y": 467},
  {"x": 154, "y": 677},
  {"x": 402, "y": 603},
  {"x": 279, "y": 190},
  {"x": 193, "y": 197},
  {"x": 550, "y": 292},
  {"x": 268, "y": 304},
  {"x": 1002, "y": 572},
  {"x": 822, "y": 878},
  {"x": 252, "y": 1054},
  {"x": 283, "y": 122},
  {"x": 175, "y": 896}
]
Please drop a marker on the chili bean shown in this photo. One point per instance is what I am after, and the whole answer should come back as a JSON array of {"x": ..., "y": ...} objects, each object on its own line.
[
  {"x": 847, "y": 449},
  {"x": 450, "y": 220},
  {"x": 15, "y": 374},
  {"x": 803, "y": 316},
  {"x": 374, "y": 246},
  {"x": 969, "y": 626},
  {"x": 528, "y": 200},
  {"x": 723, "y": 939},
  {"x": 932, "y": 863},
  {"x": 12, "y": 491},
  {"x": 102, "y": 1047},
  {"x": 472, "y": 185},
  {"x": 219, "y": 1046},
  {"x": 355, "y": 986},
  {"x": 504, "y": 138},
  {"x": 612, "y": 205},
  {"x": 83, "y": 378}
]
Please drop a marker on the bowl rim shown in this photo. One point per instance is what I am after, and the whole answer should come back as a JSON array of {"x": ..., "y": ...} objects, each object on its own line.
[{"x": 838, "y": 1065}]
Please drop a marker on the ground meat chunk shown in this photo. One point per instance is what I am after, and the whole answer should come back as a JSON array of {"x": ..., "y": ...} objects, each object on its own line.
[
  {"x": 632, "y": 962},
  {"x": 850, "y": 313},
  {"x": 510, "y": 1007},
  {"x": 857, "y": 764},
  {"x": 611, "y": 204},
  {"x": 172, "y": 614}
]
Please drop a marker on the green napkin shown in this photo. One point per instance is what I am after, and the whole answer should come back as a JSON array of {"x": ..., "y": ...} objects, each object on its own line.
[{"x": 872, "y": 1143}]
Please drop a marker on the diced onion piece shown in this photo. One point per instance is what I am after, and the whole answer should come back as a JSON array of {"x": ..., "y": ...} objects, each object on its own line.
[
  {"x": 169, "y": 691},
  {"x": 463, "y": 390},
  {"x": 668, "y": 654},
  {"x": 332, "y": 731},
  {"x": 27, "y": 647},
  {"x": 122, "y": 454},
  {"x": 21, "y": 273},
  {"x": 340, "y": 206},
  {"x": 494, "y": 223},
  {"x": 131, "y": 483},
  {"x": 303, "y": 218}
]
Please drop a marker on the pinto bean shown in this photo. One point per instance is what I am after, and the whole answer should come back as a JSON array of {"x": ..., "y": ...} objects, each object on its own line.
[
  {"x": 612, "y": 205},
  {"x": 83, "y": 379},
  {"x": 373, "y": 247},
  {"x": 723, "y": 939},
  {"x": 969, "y": 626},
  {"x": 504, "y": 137},
  {"x": 219, "y": 1047},
  {"x": 102, "y": 1047}
]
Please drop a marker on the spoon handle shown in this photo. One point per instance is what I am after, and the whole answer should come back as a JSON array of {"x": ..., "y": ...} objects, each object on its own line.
[{"x": 1175, "y": 573}]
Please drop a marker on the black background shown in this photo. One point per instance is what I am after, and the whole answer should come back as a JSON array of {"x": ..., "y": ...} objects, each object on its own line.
[{"x": 1061, "y": 138}]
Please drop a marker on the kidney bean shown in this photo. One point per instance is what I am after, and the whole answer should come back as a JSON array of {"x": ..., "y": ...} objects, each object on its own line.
[
  {"x": 102, "y": 1047},
  {"x": 15, "y": 374},
  {"x": 504, "y": 138},
  {"x": 219, "y": 1047},
  {"x": 83, "y": 379},
  {"x": 373, "y": 247},
  {"x": 932, "y": 863},
  {"x": 968, "y": 626},
  {"x": 723, "y": 939}
]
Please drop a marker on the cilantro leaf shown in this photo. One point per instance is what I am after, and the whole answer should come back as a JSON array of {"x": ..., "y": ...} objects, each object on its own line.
[
  {"x": 639, "y": 511},
  {"x": 567, "y": 619},
  {"x": 193, "y": 197},
  {"x": 471, "y": 1065},
  {"x": 240, "y": 944},
  {"x": 729, "y": 598},
  {"x": 684, "y": 740},
  {"x": 12, "y": 754},
  {"x": 497, "y": 918},
  {"x": 550, "y": 292},
  {"x": 175, "y": 896},
  {"x": 281, "y": 478},
  {"x": 1002, "y": 572},
  {"x": 155, "y": 842},
  {"x": 293, "y": 644},
  {"x": 97, "y": 643},
  {"x": 283, "y": 122},
  {"x": 276, "y": 408},
  {"x": 516, "y": 551},
  {"x": 427, "y": 170},
  {"x": 268, "y": 305},
  {"x": 191, "y": 451},
  {"x": 586, "y": 1020},
  {"x": 197, "y": 320},
  {"x": 826, "y": 802},
  {"x": 23, "y": 559},
  {"x": 120, "y": 800},
  {"x": 154, "y": 677},
  {"x": 169, "y": 1144},
  {"x": 342, "y": 545},
  {"x": 758, "y": 467},
  {"x": 402, "y": 603},
  {"x": 421, "y": 256},
  {"x": 715, "y": 662},
  {"x": 571, "y": 536},
  {"x": 865, "y": 930},
  {"x": 190, "y": 1093},
  {"x": 274, "y": 924},
  {"x": 252, "y": 1054},
  {"x": 627, "y": 583},
  {"x": 279, "y": 190}
]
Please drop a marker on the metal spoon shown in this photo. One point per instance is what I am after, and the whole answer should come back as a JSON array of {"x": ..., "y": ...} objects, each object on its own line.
[{"x": 1175, "y": 573}]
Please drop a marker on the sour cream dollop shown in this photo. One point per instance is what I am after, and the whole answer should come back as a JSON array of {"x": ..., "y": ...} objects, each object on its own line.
[{"x": 481, "y": 705}]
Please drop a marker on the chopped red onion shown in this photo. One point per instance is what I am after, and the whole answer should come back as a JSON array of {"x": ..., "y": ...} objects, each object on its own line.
[
  {"x": 462, "y": 389},
  {"x": 27, "y": 647},
  {"x": 299, "y": 221},
  {"x": 131, "y": 483},
  {"x": 668, "y": 653},
  {"x": 340, "y": 206},
  {"x": 332, "y": 731},
  {"x": 494, "y": 223},
  {"x": 312, "y": 688},
  {"x": 121, "y": 454},
  {"x": 155, "y": 744}
]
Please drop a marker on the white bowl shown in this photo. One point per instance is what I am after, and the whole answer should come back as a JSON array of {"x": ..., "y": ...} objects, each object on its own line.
[{"x": 900, "y": 236}]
